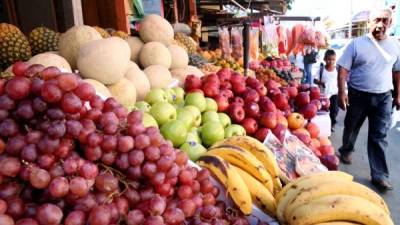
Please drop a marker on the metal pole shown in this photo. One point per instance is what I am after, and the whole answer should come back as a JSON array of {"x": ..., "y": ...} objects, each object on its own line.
[{"x": 246, "y": 46}]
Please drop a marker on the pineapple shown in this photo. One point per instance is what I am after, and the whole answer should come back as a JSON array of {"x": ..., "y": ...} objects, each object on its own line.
[
  {"x": 186, "y": 42},
  {"x": 43, "y": 39},
  {"x": 102, "y": 32},
  {"x": 120, "y": 34},
  {"x": 14, "y": 46}
]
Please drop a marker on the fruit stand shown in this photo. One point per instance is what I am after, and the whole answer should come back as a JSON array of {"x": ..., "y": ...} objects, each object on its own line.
[{"x": 112, "y": 129}]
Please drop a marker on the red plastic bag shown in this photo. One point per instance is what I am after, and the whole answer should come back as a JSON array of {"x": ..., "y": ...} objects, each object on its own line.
[
  {"x": 289, "y": 41},
  {"x": 308, "y": 35},
  {"x": 282, "y": 39},
  {"x": 320, "y": 40},
  {"x": 297, "y": 45}
]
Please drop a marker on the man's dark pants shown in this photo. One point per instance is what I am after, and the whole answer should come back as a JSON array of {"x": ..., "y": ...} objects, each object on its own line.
[{"x": 377, "y": 108}]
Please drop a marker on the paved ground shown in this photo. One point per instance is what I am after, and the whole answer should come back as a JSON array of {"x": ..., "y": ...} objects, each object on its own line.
[{"x": 360, "y": 167}]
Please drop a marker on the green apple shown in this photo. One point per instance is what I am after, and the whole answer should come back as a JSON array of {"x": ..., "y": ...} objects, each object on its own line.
[
  {"x": 194, "y": 150},
  {"x": 234, "y": 130},
  {"x": 193, "y": 136},
  {"x": 212, "y": 132},
  {"x": 211, "y": 105},
  {"x": 163, "y": 112},
  {"x": 143, "y": 106},
  {"x": 156, "y": 95},
  {"x": 196, "y": 99},
  {"x": 170, "y": 94},
  {"x": 149, "y": 121},
  {"x": 196, "y": 114},
  {"x": 186, "y": 117},
  {"x": 175, "y": 131},
  {"x": 210, "y": 116},
  {"x": 224, "y": 119},
  {"x": 179, "y": 95}
]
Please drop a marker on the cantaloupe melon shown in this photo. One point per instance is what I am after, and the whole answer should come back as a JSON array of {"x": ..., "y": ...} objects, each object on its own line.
[
  {"x": 159, "y": 76},
  {"x": 124, "y": 92},
  {"x": 155, "y": 28},
  {"x": 139, "y": 79},
  {"x": 50, "y": 59},
  {"x": 179, "y": 56},
  {"x": 135, "y": 45},
  {"x": 101, "y": 89},
  {"x": 155, "y": 53},
  {"x": 182, "y": 73},
  {"x": 104, "y": 60},
  {"x": 71, "y": 41}
]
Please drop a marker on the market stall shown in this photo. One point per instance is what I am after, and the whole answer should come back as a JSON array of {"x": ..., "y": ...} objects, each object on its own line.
[{"x": 102, "y": 128}]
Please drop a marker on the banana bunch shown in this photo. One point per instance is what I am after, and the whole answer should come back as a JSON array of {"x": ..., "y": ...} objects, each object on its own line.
[
  {"x": 257, "y": 169},
  {"x": 330, "y": 198}
]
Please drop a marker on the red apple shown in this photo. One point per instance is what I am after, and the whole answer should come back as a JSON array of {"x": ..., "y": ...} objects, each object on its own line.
[
  {"x": 267, "y": 105},
  {"x": 304, "y": 87},
  {"x": 222, "y": 102},
  {"x": 250, "y": 125},
  {"x": 302, "y": 99},
  {"x": 273, "y": 91},
  {"x": 261, "y": 134},
  {"x": 313, "y": 129},
  {"x": 252, "y": 110},
  {"x": 225, "y": 86},
  {"x": 210, "y": 89},
  {"x": 251, "y": 95},
  {"x": 236, "y": 78},
  {"x": 213, "y": 78},
  {"x": 268, "y": 120},
  {"x": 280, "y": 100},
  {"x": 302, "y": 136},
  {"x": 325, "y": 104},
  {"x": 236, "y": 112},
  {"x": 317, "y": 103},
  {"x": 292, "y": 92},
  {"x": 309, "y": 111},
  {"x": 315, "y": 92},
  {"x": 227, "y": 93},
  {"x": 224, "y": 74},
  {"x": 238, "y": 88},
  {"x": 294, "y": 83},
  {"x": 330, "y": 161},
  {"x": 238, "y": 100},
  {"x": 252, "y": 82},
  {"x": 271, "y": 84},
  {"x": 261, "y": 89},
  {"x": 192, "y": 82},
  {"x": 326, "y": 150},
  {"x": 279, "y": 131}
]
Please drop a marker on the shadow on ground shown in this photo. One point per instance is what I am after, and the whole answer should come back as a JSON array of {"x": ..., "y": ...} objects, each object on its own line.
[{"x": 360, "y": 167}]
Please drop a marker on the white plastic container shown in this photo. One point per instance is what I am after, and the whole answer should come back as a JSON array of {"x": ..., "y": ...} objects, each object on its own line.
[{"x": 323, "y": 121}]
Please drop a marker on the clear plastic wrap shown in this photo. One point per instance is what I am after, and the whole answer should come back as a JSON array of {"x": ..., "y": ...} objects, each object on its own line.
[
  {"x": 254, "y": 44},
  {"x": 225, "y": 42},
  {"x": 237, "y": 42},
  {"x": 269, "y": 37}
]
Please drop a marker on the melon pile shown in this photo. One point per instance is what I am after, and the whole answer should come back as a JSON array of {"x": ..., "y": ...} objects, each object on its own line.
[{"x": 123, "y": 68}]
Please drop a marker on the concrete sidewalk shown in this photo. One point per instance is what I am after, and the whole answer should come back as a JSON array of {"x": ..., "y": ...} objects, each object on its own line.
[{"x": 360, "y": 167}]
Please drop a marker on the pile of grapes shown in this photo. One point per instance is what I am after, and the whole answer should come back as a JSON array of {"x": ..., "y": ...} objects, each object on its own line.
[{"x": 69, "y": 157}]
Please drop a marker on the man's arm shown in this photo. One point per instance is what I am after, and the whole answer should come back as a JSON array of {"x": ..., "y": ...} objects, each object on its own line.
[
  {"x": 396, "y": 83},
  {"x": 342, "y": 79}
]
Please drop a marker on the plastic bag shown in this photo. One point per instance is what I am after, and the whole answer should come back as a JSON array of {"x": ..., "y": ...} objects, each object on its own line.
[
  {"x": 254, "y": 44},
  {"x": 289, "y": 41},
  {"x": 320, "y": 41},
  {"x": 237, "y": 42},
  {"x": 269, "y": 37},
  {"x": 395, "y": 118},
  {"x": 282, "y": 39},
  {"x": 224, "y": 42},
  {"x": 308, "y": 35},
  {"x": 297, "y": 46}
]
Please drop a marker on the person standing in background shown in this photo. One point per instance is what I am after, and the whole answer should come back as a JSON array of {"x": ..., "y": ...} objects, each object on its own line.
[
  {"x": 310, "y": 57},
  {"x": 371, "y": 67}
]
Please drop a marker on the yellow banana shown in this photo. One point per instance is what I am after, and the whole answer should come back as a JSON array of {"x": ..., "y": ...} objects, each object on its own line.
[
  {"x": 231, "y": 179},
  {"x": 307, "y": 194},
  {"x": 339, "y": 208},
  {"x": 338, "y": 223},
  {"x": 260, "y": 194},
  {"x": 260, "y": 151},
  {"x": 246, "y": 161},
  {"x": 291, "y": 189}
]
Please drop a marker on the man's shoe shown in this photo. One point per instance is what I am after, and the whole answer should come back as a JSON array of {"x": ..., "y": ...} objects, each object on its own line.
[
  {"x": 345, "y": 158},
  {"x": 382, "y": 185}
]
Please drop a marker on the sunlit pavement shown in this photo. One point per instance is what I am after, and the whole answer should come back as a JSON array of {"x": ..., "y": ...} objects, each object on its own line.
[{"x": 360, "y": 167}]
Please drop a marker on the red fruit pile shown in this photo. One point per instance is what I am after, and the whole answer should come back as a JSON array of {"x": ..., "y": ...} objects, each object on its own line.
[{"x": 68, "y": 157}]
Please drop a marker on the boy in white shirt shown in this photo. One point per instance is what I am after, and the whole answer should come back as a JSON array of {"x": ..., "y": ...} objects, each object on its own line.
[{"x": 327, "y": 81}]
